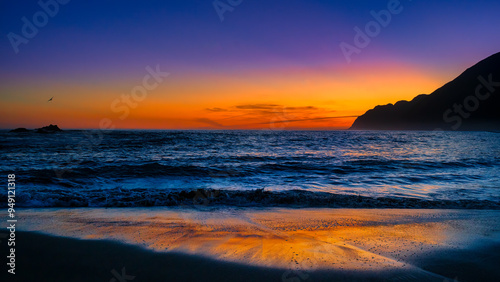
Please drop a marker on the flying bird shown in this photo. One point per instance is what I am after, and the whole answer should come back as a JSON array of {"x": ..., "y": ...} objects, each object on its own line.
[{"x": 50, "y": 99}]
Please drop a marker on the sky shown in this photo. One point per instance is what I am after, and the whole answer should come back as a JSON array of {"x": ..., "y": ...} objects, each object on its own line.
[{"x": 229, "y": 64}]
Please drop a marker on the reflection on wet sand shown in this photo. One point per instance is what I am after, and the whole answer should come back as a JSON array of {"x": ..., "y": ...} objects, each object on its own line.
[{"x": 300, "y": 239}]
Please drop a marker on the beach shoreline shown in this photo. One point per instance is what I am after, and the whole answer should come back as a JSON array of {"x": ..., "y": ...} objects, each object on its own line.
[
  {"x": 266, "y": 244},
  {"x": 52, "y": 258}
]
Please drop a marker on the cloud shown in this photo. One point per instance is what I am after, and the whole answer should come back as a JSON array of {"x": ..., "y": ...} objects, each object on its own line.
[
  {"x": 302, "y": 108},
  {"x": 216, "y": 110},
  {"x": 272, "y": 108},
  {"x": 306, "y": 119},
  {"x": 209, "y": 122},
  {"x": 258, "y": 107},
  {"x": 265, "y": 108},
  {"x": 251, "y": 115}
]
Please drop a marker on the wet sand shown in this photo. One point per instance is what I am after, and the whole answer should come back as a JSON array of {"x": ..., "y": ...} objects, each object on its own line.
[
  {"x": 50, "y": 258},
  {"x": 164, "y": 244}
]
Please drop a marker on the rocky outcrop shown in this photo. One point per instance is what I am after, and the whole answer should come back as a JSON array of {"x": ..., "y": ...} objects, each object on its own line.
[
  {"x": 20, "y": 130},
  {"x": 49, "y": 129},
  {"x": 469, "y": 102},
  {"x": 46, "y": 129}
]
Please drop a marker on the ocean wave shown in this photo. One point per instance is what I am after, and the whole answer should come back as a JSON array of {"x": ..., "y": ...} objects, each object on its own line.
[
  {"x": 209, "y": 198},
  {"x": 241, "y": 166},
  {"x": 59, "y": 170}
]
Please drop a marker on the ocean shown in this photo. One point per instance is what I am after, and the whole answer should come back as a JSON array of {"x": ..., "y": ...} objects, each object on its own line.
[{"x": 205, "y": 169}]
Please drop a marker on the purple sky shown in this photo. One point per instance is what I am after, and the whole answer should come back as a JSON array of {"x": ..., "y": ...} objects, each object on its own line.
[{"x": 107, "y": 42}]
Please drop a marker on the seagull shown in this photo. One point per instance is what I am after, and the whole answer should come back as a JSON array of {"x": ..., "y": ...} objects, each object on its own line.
[{"x": 50, "y": 99}]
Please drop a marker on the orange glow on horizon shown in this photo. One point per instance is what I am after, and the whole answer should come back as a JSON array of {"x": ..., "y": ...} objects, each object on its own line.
[{"x": 273, "y": 99}]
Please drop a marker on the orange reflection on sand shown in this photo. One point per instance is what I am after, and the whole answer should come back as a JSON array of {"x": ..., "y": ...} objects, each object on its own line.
[{"x": 281, "y": 238}]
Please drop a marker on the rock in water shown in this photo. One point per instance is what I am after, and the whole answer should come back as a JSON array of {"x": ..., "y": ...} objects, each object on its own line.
[
  {"x": 49, "y": 129},
  {"x": 20, "y": 129}
]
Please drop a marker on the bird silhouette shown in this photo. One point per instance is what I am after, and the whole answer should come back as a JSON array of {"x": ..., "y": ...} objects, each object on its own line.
[{"x": 50, "y": 99}]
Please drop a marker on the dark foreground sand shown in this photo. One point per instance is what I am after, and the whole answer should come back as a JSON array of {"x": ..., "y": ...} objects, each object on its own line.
[
  {"x": 365, "y": 245},
  {"x": 49, "y": 258}
]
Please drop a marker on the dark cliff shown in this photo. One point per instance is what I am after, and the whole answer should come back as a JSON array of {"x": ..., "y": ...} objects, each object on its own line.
[{"x": 469, "y": 102}]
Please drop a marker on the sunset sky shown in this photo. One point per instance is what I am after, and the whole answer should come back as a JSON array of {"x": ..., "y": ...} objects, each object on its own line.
[{"x": 266, "y": 65}]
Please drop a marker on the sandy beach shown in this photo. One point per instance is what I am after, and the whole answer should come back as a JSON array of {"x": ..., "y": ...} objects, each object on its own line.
[{"x": 253, "y": 244}]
